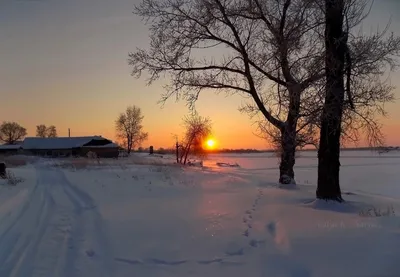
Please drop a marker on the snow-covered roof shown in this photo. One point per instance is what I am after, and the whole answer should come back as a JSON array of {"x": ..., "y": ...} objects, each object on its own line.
[
  {"x": 10, "y": 146},
  {"x": 57, "y": 143},
  {"x": 110, "y": 145}
]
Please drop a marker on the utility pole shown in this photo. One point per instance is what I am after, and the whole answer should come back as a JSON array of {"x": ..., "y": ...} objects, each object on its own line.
[{"x": 69, "y": 132}]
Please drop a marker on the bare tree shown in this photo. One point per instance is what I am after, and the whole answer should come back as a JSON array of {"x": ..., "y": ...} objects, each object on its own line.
[
  {"x": 354, "y": 90},
  {"x": 368, "y": 59},
  {"x": 41, "y": 131},
  {"x": 197, "y": 129},
  {"x": 274, "y": 55},
  {"x": 51, "y": 131},
  {"x": 11, "y": 132},
  {"x": 266, "y": 44},
  {"x": 329, "y": 151},
  {"x": 129, "y": 128}
]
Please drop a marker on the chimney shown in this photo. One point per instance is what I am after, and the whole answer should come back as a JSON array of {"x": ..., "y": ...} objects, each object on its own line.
[{"x": 69, "y": 132}]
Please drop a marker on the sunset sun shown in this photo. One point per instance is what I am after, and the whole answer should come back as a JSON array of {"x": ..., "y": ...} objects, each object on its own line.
[{"x": 210, "y": 143}]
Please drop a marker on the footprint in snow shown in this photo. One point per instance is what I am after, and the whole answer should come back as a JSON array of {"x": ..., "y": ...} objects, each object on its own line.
[
  {"x": 90, "y": 253},
  {"x": 132, "y": 262},
  {"x": 236, "y": 252},
  {"x": 256, "y": 243},
  {"x": 234, "y": 249},
  {"x": 162, "y": 262},
  {"x": 271, "y": 228},
  {"x": 150, "y": 261},
  {"x": 177, "y": 263},
  {"x": 207, "y": 262}
]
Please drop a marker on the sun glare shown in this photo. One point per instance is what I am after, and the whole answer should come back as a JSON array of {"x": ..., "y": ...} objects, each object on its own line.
[{"x": 210, "y": 143}]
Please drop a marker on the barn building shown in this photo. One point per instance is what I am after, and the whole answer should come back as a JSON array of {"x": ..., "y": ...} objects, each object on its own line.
[
  {"x": 70, "y": 146},
  {"x": 10, "y": 149}
]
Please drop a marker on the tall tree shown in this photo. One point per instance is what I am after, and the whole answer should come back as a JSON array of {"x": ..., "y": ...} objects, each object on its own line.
[
  {"x": 273, "y": 53},
  {"x": 354, "y": 90},
  {"x": 51, "y": 131},
  {"x": 265, "y": 44},
  {"x": 129, "y": 128},
  {"x": 41, "y": 131},
  {"x": 329, "y": 147},
  {"x": 371, "y": 57},
  {"x": 11, "y": 132}
]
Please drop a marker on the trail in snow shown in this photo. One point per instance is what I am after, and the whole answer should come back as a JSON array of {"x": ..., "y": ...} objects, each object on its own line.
[{"x": 58, "y": 232}]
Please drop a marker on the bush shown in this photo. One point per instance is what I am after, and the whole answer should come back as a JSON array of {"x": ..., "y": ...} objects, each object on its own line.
[
  {"x": 91, "y": 155},
  {"x": 376, "y": 212},
  {"x": 12, "y": 180},
  {"x": 14, "y": 161}
]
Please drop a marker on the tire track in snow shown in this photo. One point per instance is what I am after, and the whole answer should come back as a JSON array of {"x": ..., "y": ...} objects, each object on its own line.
[
  {"x": 18, "y": 241},
  {"x": 88, "y": 239},
  {"x": 55, "y": 233}
]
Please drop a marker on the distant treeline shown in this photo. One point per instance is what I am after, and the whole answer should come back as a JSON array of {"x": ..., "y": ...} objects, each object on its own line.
[
  {"x": 215, "y": 151},
  {"x": 164, "y": 151},
  {"x": 387, "y": 148}
]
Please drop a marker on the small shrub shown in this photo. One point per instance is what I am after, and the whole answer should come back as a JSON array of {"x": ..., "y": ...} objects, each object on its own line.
[
  {"x": 91, "y": 155},
  {"x": 376, "y": 212},
  {"x": 15, "y": 161},
  {"x": 12, "y": 180}
]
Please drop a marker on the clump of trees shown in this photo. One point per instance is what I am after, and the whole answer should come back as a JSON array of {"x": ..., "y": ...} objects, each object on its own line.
[
  {"x": 197, "y": 130},
  {"x": 11, "y": 132},
  {"x": 274, "y": 54},
  {"x": 42, "y": 131},
  {"x": 129, "y": 128},
  {"x": 278, "y": 54}
]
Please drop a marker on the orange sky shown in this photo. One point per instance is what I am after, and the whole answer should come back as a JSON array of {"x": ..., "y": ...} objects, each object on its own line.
[{"x": 64, "y": 63}]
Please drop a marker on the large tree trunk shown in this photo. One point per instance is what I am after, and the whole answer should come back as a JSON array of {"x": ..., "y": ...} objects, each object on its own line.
[
  {"x": 288, "y": 148},
  {"x": 288, "y": 139},
  {"x": 329, "y": 147},
  {"x": 129, "y": 143}
]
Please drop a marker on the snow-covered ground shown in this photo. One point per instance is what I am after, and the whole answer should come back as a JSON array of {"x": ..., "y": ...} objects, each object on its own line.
[{"x": 143, "y": 216}]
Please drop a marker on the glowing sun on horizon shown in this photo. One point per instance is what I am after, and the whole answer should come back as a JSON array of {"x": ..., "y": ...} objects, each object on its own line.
[{"x": 210, "y": 143}]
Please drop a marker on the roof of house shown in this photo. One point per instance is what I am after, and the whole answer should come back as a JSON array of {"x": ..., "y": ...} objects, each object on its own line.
[
  {"x": 10, "y": 146},
  {"x": 57, "y": 143},
  {"x": 18, "y": 142},
  {"x": 110, "y": 145}
]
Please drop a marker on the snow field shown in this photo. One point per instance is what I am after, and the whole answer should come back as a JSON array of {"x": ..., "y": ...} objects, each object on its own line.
[{"x": 144, "y": 216}]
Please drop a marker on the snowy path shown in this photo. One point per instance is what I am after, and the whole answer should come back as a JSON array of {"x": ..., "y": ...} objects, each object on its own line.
[
  {"x": 58, "y": 232},
  {"x": 169, "y": 222}
]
